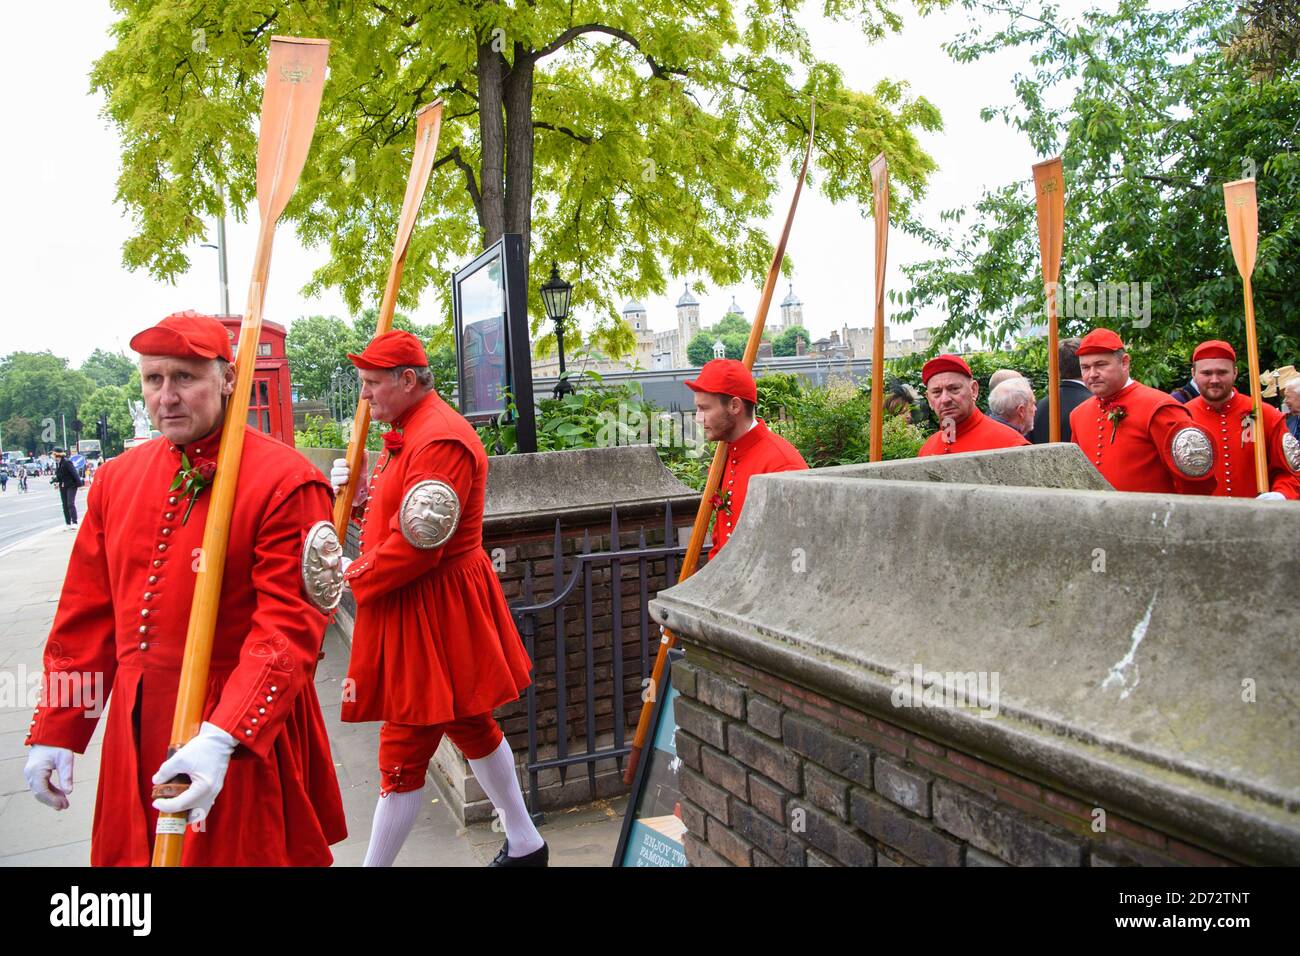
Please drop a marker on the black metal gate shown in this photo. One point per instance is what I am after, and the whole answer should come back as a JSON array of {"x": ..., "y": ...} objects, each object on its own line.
[{"x": 530, "y": 616}]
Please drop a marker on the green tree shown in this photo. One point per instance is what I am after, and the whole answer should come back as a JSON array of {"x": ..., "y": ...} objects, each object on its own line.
[
  {"x": 315, "y": 346},
  {"x": 108, "y": 368},
  {"x": 785, "y": 342},
  {"x": 40, "y": 387},
  {"x": 20, "y": 434},
  {"x": 734, "y": 332},
  {"x": 1151, "y": 119},
  {"x": 628, "y": 143},
  {"x": 113, "y": 401}
]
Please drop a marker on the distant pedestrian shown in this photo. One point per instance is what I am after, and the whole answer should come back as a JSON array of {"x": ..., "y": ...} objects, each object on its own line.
[
  {"x": 22, "y": 478},
  {"x": 4, "y": 480},
  {"x": 66, "y": 477}
]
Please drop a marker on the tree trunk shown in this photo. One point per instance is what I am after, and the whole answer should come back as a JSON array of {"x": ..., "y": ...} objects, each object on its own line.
[
  {"x": 519, "y": 148},
  {"x": 492, "y": 220}
]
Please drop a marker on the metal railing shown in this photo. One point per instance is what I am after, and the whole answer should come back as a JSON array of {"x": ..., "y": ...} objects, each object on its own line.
[{"x": 530, "y": 616}]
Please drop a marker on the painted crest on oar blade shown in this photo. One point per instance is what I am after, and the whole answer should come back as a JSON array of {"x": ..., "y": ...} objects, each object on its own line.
[{"x": 295, "y": 79}]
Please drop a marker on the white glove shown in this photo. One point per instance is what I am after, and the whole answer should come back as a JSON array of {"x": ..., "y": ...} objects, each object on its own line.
[
  {"x": 43, "y": 761},
  {"x": 339, "y": 475},
  {"x": 204, "y": 759},
  {"x": 1271, "y": 496}
]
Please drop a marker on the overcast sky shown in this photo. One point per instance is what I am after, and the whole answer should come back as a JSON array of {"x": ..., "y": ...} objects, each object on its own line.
[{"x": 61, "y": 251}]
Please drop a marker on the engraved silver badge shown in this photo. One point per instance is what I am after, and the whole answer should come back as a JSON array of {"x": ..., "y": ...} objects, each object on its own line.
[
  {"x": 322, "y": 566},
  {"x": 1193, "y": 453},
  {"x": 430, "y": 513},
  {"x": 1291, "y": 451}
]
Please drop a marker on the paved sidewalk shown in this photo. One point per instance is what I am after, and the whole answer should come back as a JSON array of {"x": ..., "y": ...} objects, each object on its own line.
[{"x": 31, "y": 834}]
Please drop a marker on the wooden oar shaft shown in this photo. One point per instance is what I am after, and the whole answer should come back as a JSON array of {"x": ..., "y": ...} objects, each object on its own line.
[
  {"x": 1053, "y": 369},
  {"x": 428, "y": 127},
  {"x": 690, "y": 562},
  {"x": 880, "y": 208},
  {"x": 1256, "y": 391}
]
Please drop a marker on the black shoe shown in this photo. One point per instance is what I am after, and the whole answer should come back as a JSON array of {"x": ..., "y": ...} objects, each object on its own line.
[{"x": 536, "y": 858}]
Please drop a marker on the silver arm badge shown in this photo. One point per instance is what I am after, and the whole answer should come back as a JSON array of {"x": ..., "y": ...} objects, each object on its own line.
[
  {"x": 1291, "y": 451},
  {"x": 322, "y": 566},
  {"x": 429, "y": 515},
  {"x": 1193, "y": 453}
]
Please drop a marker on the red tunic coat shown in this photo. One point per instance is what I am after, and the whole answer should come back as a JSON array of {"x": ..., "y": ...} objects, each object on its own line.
[
  {"x": 760, "y": 451},
  {"x": 977, "y": 433},
  {"x": 1235, "y": 458},
  {"x": 123, "y": 613},
  {"x": 434, "y": 640},
  {"x": 1140, "y": 457}
]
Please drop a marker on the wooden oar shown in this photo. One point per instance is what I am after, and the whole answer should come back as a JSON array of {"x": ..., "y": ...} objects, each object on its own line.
[
  {"x": 880, "y": 212},
  {"x": 1243, "y": 230},
  {"x": 295, "y": 77},
  {"x": 1049, "y": 193},
  {"x": 691, "y": 559},
  {"x": 427, "y": 126}
]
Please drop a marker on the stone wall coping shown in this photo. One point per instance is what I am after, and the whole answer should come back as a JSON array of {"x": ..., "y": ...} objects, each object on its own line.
[
  {"x": 1123, "y": 685},
  {"x": 579, "y": 486}
]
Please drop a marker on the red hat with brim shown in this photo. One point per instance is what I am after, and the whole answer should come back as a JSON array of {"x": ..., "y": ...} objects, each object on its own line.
[
  {"x": 185, "y": 335},
  {"x": 944, "y": 363},
  {"x": 1214, "y": 349},
  {"x": 1100, "y": 341},
  {"x": 391, "y": 350},
  {"x": 725, "y": 377}
]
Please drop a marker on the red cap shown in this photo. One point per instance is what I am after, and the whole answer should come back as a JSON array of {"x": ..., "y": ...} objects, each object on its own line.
[
  {"x": 185, "y": 335},
  {"x": 1214, "y": 349},
  {"x": 1099, "y": 341},
  {"x": 944, "y": 363},
  {"x": 725, "y": 377},
  {"x": 391, "y": 350}
]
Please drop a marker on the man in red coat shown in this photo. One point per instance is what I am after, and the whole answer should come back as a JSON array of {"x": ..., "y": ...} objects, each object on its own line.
[
  {"x": 435, "y": 649},
  {"x": 1139, "y": 438},
  {"x": 1227, "y": 415},
  {"x": 951, "y": 390},
  {"x": 122, "y": 620},
  {"x": 725, "y": 396}
]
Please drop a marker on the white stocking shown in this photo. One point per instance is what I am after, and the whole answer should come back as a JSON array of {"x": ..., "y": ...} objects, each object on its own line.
[
  {"x": 394, "y": 816},
  {"x": 496, "y": 774}
]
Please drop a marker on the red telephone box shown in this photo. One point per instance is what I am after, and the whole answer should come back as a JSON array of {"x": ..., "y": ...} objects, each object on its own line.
[{"x": 270, "y": 404}]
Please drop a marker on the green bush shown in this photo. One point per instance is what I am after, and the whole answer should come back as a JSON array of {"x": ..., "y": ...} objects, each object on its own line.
[{"x": 326, "y": 433}]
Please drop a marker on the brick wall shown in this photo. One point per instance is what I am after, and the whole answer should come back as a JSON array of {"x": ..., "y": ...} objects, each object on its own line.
[{"x": 775, "y": 775}]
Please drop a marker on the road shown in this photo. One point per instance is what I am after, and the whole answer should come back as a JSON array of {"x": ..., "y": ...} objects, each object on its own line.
[{"x": 23, "y": 515}]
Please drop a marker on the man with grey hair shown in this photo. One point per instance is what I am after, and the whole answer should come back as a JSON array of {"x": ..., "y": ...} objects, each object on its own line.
[
  {"x": 1012, "y": 403},
  {"x": 1292, "y": 393},
  {"x": 1000, "y": 376}
]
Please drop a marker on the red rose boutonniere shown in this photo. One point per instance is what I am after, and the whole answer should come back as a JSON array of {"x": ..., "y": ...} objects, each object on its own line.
[
  {"x": 722, "y": 502},
  {"x": 1116, "y": 415},
  {"x": 393, "y": 441},
  {"x": 192, "y": 479}
]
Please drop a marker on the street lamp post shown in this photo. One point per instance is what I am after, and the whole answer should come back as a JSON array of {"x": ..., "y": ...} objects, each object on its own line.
[{"x": 555, "y": 296}]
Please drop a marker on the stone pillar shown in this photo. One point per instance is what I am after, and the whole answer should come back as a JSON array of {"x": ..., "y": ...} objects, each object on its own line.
[{"x": 942, "y": 662}]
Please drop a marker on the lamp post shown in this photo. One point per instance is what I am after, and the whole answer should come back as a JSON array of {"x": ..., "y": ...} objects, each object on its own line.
[{"x": 555, "y": 296}]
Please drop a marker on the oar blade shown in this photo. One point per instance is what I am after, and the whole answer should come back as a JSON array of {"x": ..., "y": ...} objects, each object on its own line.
[
  {"x": 1243, "y": 223},
  {"x": 428, "y": 124},
  {"x": 295, "y": 79},
  {"x": 1049, "y": 195},
  {"x": 880, "y": 212}
]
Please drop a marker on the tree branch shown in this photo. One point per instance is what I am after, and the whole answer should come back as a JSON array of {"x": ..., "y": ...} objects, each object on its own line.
[
  {"x": 564, "y": 129},
  {"x": 571, "y": 34},
  {"x": 471, "y": 183}
]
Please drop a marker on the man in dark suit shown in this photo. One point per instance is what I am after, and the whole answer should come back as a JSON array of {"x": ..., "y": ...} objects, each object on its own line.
[
  {"x": 1073, "y": 393},
  {"x": 68, "y": 480}
]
